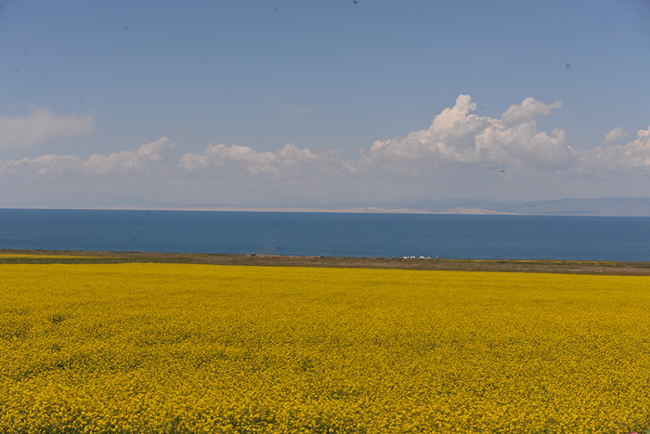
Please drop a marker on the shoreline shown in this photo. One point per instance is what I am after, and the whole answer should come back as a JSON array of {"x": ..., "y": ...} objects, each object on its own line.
[
  {"x": 494, "y": 265},
  {"x": 353, "y": 210}
]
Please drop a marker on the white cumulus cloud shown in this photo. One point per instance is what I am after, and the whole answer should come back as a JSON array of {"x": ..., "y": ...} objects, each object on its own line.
[
  {"x": 633, "y": 156},
  {"x": 127, "y": 162},
  {"x": 274, "y": 164},
  {"x": 120, "y": 163},
  {"x": 41, "y": 125},
  {"x": 460, "y": 153},
  {"x": 458, "y": 137},
  {"x": 528, "y": 110}
]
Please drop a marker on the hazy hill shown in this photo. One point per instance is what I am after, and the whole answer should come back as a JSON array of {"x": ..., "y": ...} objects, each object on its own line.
[{"x": 606, "y": 206}]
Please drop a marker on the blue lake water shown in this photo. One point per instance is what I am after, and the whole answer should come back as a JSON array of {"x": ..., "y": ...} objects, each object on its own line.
[{"x": 329, "y": 234}]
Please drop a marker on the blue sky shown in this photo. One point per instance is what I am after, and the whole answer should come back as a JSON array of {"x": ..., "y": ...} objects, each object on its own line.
[{"x": 305, "y": 103}]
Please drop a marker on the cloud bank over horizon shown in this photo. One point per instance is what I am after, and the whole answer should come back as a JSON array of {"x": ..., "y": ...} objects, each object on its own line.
[
  {"x": 120, "y": 163},
  {"x": 275, "y": 164},
  {"x": 457, "y": 145}
]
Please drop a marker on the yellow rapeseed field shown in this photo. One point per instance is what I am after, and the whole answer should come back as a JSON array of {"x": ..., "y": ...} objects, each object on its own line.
[{"x": 159, "y": 348}]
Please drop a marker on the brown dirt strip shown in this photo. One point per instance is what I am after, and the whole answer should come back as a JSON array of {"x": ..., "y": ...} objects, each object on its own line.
[{"x": 541, "y": 266}]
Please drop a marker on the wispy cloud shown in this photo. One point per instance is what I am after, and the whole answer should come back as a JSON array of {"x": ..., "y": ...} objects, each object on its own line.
[
  {"x": 41, "y": 125},
  {"x": 614, "y": 135},
  {"x": 292, "y": 112}
]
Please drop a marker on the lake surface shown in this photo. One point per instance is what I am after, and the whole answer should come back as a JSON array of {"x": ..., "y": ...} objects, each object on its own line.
[{"x": 329, "y": 234}]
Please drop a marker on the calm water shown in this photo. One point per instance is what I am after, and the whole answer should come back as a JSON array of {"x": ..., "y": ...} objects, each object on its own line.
[{"x": 384, "y": 235}]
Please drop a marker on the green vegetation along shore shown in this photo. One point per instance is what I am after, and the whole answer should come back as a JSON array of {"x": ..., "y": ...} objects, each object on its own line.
[{"x": 530, "y": 266}]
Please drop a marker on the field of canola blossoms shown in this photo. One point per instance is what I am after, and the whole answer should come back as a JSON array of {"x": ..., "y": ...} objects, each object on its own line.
[{"x": 159, "y": 348}]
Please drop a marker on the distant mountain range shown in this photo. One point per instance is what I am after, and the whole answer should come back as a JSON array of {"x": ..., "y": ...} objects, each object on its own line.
[{"x": 606, "y": 206}]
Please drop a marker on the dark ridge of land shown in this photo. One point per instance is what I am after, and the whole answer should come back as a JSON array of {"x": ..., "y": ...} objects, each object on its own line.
[{"x": 526, "y": 266}]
